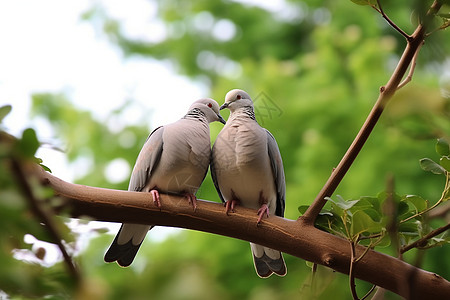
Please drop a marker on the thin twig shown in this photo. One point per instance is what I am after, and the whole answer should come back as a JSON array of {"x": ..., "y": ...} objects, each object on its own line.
[
  {"x": 443, "y": 198},
  {"x": 353, "y": 262},
  {"x": 364, "y": 253},
  {"x": 351, "y": 273},
  {"x": 44, "y": 217},
  {"x": 372, "y": 236},
  {"x": 369, "y": 292},
  {"x": 425, "y": 238},
  {"x": 393, "y": 25},
  {"x": 412, "y": 67}
]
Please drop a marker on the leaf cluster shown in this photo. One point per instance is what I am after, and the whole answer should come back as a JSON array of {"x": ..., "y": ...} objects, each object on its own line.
[
  {"x": 375, "y": 221},
  {"x": 22, "y": 258}
]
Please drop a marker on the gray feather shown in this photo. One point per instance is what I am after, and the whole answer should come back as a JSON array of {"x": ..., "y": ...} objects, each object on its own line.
[
  {"x": 214, "y": 176},
  {"x": 278, "y": 173},
  {"x": 147, "y": 160}
]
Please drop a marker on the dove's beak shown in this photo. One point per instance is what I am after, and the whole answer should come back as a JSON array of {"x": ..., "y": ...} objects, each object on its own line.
[
  {"x": 221, "y": 120},
  {"x": 225, "y": 105}
]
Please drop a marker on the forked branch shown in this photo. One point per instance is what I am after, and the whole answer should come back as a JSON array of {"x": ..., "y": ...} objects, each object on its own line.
[{"x": 413, "y": 45}]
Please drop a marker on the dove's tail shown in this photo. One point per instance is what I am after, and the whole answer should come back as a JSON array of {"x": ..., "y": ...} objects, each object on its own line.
[
  {"x": 126, "y": 244},
  {"x": 268, "y": 261}
]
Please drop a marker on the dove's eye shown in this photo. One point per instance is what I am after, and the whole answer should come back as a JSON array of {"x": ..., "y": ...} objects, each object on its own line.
[
  {"x": 209, "y": 105},
  {"x": 238, "y": 96}
]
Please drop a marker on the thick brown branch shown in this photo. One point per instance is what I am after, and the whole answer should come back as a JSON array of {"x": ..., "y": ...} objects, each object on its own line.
[{"x": 296, "y": 238}]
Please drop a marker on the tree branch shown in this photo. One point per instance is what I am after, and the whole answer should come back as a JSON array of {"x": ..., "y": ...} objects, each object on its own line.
[
  {"x": 296, "y": 238},
  {"x": 386, "y": 93},
  {"x": 412, "y": 67},
  {"x": 393, "y": 25},
  {"x": 444, "y": 197},
  {"x": 44, "y": 217},
  {"x": 424, "y": 239}
]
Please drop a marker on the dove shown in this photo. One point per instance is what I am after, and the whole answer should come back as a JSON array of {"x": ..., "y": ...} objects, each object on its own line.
[
  {"x": 174, "y": 159},
  {"x": 247, "y": 170}
]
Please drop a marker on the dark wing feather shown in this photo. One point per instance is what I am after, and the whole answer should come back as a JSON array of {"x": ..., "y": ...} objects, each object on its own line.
[
  {"x": 278, "y": 173},
  {"x": 265, "y": 266},
  {"x": 123, "y": 254}
]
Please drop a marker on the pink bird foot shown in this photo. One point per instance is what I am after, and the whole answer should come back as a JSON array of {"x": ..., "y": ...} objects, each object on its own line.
[
  {"x": 230, "y": 205},
  {"x": 155, "y": 195},
  {"x": 192, "y": 200},
  {"x": 263, "y": 210}
]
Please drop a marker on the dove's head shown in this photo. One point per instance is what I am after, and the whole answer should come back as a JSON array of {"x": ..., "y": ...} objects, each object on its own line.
[
  {"x": 236, "y": 99},
  {"x": 210, "y": 108}
]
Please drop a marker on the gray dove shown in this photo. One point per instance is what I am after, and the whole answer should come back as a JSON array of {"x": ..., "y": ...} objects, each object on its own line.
[
  {"x": 174, "y": 159},
  {"x": 247, "y": 170}
]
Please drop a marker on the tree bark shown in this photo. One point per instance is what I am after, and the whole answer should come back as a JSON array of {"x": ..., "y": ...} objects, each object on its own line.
[{"x": 297, "y": 238}]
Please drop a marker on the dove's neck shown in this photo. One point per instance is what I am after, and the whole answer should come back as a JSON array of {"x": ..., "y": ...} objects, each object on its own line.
[
  {"x": 196, "y": 114},
  {"x": 244, "y": 112}
]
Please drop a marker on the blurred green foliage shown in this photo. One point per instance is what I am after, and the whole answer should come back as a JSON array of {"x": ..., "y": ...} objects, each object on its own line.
[{"x": 314, "y": 70}]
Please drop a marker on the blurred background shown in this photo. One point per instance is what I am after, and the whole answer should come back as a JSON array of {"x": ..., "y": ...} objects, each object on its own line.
[{"x": 93, "y": 78}]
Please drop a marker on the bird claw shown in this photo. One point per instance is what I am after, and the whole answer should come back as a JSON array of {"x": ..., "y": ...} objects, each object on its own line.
[
  {"x": 192, "y": 200},
  {"x": 263, "y": 210},
  {"x": 230, "y": 205},
  {"x": 155, "y": 195}
]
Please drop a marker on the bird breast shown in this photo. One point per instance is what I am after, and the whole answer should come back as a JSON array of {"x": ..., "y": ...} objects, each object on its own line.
[
  {"x": 243, "y": 166},
  {"x": 185, "y": 157}
]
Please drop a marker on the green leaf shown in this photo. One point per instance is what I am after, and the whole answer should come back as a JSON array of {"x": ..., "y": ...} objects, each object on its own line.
[
  {"x": 325, "y": 212},
  {"x": 445, "y": 162},
  {"x": 302, "y": 209},
  {"x": 362, "y": 204},
  {"x": 4, "y": 111},
  {"x": 362, "y": 222},
  {"x": 341, "y": 203},
  {"x": 402, "y": 208},
  {"x": 46, "y": 168},
  {"x": 374, "y": 215},
  {"x": 409, "y": 227},
  {"x": 442, "y": 147},
  {"x": 418, "y": 202},
  {"x": 29, "y": 143},
  {"x": 374, "y": 201},
  {"x": 384, "y": 242},
  {"x": 330, "y": 224},
  {"x": 430, "y": 166},
  {"x": 382, "y": 196},
  {"x": 444, "y": 15}
]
